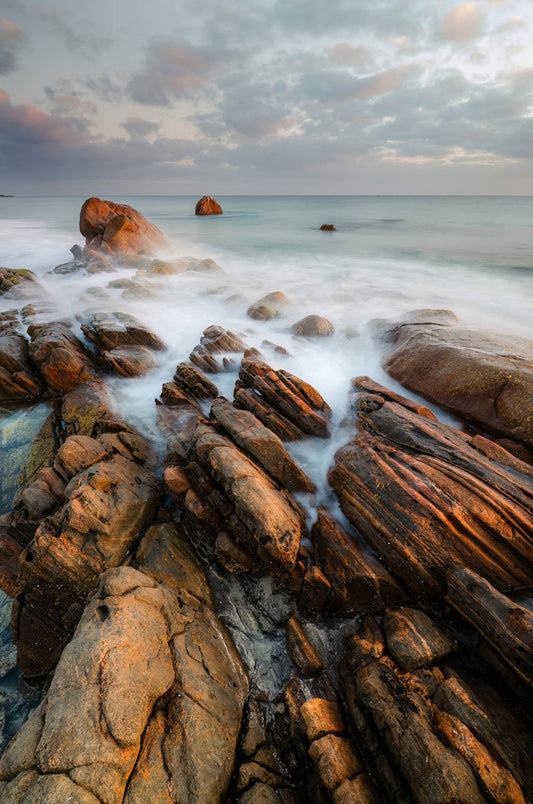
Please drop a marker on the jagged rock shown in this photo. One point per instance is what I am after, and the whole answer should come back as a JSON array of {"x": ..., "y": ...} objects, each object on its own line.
[
  {"x": 313, "y": 326},
  {"x": 76, "y": 454},
  {"x": 88, "y": 410},
  {"x": 482, "y": 376},
  {"x": 268, "y": 307},
  {"x": 269, "y": 523},
  {"x": 17, "y": 374},
  {"x": 194, "y": 383},
  {"x": 61, "y": 358},
  {"x": 175, "y": 397},
  {"x": 301, "y": 650},
  {"x": 177, "y": 425},
  {"x": 154, "y": 715},
  {"x": 107, "y": 506},
  {"x": 505, "y": 624},
  {"x": 358, "y": 580},
  {"x": 261, "y": 444},
  {"x": 427, "y": 498},
  {"x": 315, "y": 590},
  {"x": 207, "y": 205},
  {"x": 118, "y": 229},
  {"x": 130, "y": 361},
  {"x": 364, "y": 384},
  {"x": 204, "y": 360},
  {"x": 414, "y": 640},
  {"x": 284, "y": 396}
]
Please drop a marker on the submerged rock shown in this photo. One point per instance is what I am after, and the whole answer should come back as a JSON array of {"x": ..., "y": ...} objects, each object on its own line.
[
  {"x": 313, "y": 326},
  {"x": 268, "y": 307},
  {"x": 119, "y": 229},
  {"x": 207, "y": 205}
]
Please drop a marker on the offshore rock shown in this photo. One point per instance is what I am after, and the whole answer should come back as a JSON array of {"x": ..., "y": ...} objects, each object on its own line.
[
  {"x": 427, "y": 498},
  {"x": 155, "y": 712},
  {"x": 207, "y": 205},
  {"x": 61, "y": 358},
  {"x": 117, "y": 229},
  {"x": 481, "y": 376}
]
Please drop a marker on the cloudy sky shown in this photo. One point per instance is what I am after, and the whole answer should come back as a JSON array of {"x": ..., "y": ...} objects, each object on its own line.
[{"x": 266, "y": 96}]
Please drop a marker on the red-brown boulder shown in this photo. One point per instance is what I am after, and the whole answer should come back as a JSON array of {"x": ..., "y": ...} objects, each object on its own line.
[
  {"x": 119, "y": 229},
  {"x": 207, "y": 205}
]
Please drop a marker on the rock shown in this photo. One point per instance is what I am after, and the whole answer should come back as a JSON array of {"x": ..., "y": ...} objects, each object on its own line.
[
  {"x": 313, "y": 326},
  {"x": 483, "y": 377},
  {"x": 360, "y": 790},
  {"x": 203, "y": 266},
  {"x": 359, "y": 582},
  {"x": 177, "y": 425},
  {"x": 219, "y": 340},
  {"x": 173, "y": 396},
  {"x": 362, "y": 385},
  {"x": 505, "y": 624},
  {"x": 76, "y": 454},
  {"x": 207, "y": 205},
  {"x": 268, "y": 522},
  {"x": 111, "y": 330},
  {"x": 107, "y": 506},
  {"x": 17, "y": 281},
  {"x": 87, "y": 410},
  {"x": 117, "y": 229},
  {"x": 61, "y": 358},
  {"x": 268, "y": 307},
  {"x": 418, "y": 491},
  {"x": 261, "y": 444},
  {"x": 152, "y": 654},
  {"x": 315, "y": 590},
  {"x": 336, "y": 760},
  {"x": 282, "y": 396},
  {"x": 414, "y": 640},
  {"x": 10, "y": 551},
  {"x": 18, "y": 380},
  {"x": 327, "y": 227},
  {"x": 194, "y": 383},
  {"x": 130, "y": 361},
  {"x": 205, "y": 361},
  {"x": 301, "y": 650}
]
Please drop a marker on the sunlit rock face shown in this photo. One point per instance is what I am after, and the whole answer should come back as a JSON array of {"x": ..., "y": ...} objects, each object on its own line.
[
  {"x": 119, "y": 229},
  {"x": 207, "y": 205}
]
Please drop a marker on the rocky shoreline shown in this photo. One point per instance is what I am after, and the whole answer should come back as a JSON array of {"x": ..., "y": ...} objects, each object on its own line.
[{"x": 190, "y": 627}]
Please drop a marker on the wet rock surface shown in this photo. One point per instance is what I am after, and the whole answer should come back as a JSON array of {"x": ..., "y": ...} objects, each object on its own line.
[{"x": 313, "y": 326}]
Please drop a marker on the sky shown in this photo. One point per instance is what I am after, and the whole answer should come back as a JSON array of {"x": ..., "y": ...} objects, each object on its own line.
[{"x": 266, "y": 97}]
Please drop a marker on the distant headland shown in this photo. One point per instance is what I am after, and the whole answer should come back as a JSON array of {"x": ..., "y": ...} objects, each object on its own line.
[{"x": 2, "y": 195}]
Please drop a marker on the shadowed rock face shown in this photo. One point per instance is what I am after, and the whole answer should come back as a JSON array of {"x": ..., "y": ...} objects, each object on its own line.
[
  {"x": 119, "y": 229},
  {"x": 483, "y": 377},
  {"x": 427, "y": 497}
]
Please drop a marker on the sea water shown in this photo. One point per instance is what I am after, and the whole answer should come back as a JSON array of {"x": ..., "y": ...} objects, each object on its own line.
[{"x": 389, "y": 255}]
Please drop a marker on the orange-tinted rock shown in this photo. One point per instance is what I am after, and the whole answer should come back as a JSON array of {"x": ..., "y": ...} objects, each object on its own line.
[
  {"x": 426, "y": 499},
  {"x": 261, "y": 444},
  {"x": 194, "y": 383},
  {"x": 207, "y": 205},
  {"x": 315, "y": 590},
  {"x": 119, "y": 229},
  {"x": 360, "y": 790},
  {"x": 61, "y": 358},
  {"x": 10, "y": 551},
  {"x": 481, "y": 376},
  {"x": 17, "y": 375},
  {"x": 358, "y": 580},
  {"x": 268, "y": 307},
  {"x": 336, "y": 760},
  {"x": 414, "y": 640},
  {"x": 301, "y": 650},
  {"x": 322, "y": 717}
]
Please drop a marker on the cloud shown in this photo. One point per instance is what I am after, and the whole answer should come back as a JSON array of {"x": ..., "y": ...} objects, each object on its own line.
[
  {"x": 463, "y": 23},
  {"x": 10, "y": 39},
  {"x": 64, "y": 101},
  {"x": 104, "y": 88},
  {"x": 139, "y": 127},
  {"x": 345, "y": 55},
  {"x": 173, "y": 69},
  {"x": 56, "y": 22}
]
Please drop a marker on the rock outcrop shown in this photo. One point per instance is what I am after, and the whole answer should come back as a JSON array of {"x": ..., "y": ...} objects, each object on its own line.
[
  {"x": 483, "y": 377},
  {"x": 62, "y": 359},
  {"x": 207, "y": 205},
  {"x": 124, "y": 344},
  {"x": 117, "y": 229},
  {"x": 427, "y": 498}
]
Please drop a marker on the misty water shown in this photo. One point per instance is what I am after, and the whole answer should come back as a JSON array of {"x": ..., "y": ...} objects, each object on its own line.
[{"x": 388, "y": 256}]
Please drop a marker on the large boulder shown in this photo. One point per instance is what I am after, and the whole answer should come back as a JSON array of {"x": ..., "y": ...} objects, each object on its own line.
[
  {"x": 118, "y": 229},
  {"x": 146, "y": 701},
  {"x": 483, "y": 377},
  {"x": 207, "y": 205},
  {"x": 62, "y": 359}
]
